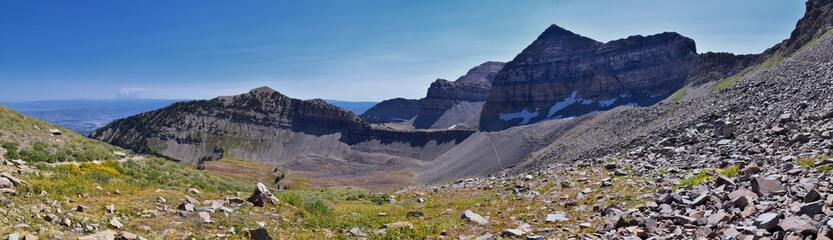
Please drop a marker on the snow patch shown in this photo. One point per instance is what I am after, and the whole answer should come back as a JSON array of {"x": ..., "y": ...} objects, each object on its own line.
[
  {"x": 607, "y": 103},
  {"x": 563, "y": 104},
  {"x": 587, "y": 102},
  {"x": 525, "y": 115}
]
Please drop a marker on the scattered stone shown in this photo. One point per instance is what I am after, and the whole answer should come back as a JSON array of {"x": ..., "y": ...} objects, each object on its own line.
[
  {"x": 512, "y": 233},
  {"x": 810, "y": 209},
  {"x": 185, "y": 207},
  {"x": 398, "y": 225},
  {"x": 205, "y": 217},
  {"x": 115, "y": 223},
  {"x": 194, "y": 191},
  {"x": 812, "y": 196},
  {"x": 803, "y": 224},
  {"x": 766, "y": 187},
  {"x": 557, "y": 217},
  {"x": 105, "y": 235},
  {"x": 357, "y": 232},
  {"x": 416, "y": 214},
  {"x": 767, "y": 221}
]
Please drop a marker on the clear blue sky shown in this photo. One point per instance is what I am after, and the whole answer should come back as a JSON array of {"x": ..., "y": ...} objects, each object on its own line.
[{"x": 347, "y": 50}]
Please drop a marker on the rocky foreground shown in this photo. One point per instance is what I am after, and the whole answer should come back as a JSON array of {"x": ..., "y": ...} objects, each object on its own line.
[{"x": 754, "y": 163}]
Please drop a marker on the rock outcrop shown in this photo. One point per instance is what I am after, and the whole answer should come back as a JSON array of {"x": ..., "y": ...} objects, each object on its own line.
[
  {"x": 563, "y": 74},
  {"x": 448, "y": 104},
  {"x": 392, "y": 111},
  {"x": 443, "y": 95}
]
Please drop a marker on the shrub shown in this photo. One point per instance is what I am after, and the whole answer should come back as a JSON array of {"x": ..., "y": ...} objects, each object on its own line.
[
  {"x": 730, "y": 171},
  {"x": 380, "y": 199},
  {"x": 806, "y": 162},
  {"x": 695, "y": 180},
  {"x": 825, "y": 168}
]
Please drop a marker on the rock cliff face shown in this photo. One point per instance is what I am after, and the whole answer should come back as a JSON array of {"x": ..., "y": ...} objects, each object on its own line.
[
  {"x": 264, "y": 125},
  {"x": 446, "y": 105},
  {"x": 443, "y": 95},
  {"x": 392, "y": 110},
  {"x": 563, "y": 74}
]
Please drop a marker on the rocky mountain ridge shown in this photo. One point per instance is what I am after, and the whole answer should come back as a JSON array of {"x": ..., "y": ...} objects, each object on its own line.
[
  {"x": 563, "y": 74},
  {"x": 266, "y": 126}
]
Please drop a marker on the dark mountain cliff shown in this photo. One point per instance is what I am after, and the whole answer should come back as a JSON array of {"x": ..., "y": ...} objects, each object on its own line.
[
  {"x": 447, "y": 103},
  {"x": 443, "y": 95},
  {"x": 564, "y": 74},
  {"x": 392, "y": 110}
]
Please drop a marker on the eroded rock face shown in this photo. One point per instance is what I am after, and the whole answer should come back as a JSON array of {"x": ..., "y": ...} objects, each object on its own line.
[
  {"x": 563, "y": 74},
  {"x": 475, "y": 86},
  {"x": 447, "y": 104}
]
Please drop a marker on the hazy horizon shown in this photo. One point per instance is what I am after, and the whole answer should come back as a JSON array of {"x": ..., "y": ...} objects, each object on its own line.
[{"x": 349, "y": 51}]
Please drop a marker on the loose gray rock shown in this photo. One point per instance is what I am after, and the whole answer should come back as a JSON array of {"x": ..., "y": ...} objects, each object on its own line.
[
  {"x": 474, "y": 217},
  {"x": 767, "y": 221}
]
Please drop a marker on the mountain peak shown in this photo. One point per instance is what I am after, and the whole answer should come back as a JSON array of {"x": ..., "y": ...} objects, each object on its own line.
[
  {"x": 555, "y": 31},
  {"x": 263, "y": 89}
]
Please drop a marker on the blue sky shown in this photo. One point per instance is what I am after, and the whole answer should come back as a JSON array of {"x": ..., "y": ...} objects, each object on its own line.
[{"x": 347, "y": 50}]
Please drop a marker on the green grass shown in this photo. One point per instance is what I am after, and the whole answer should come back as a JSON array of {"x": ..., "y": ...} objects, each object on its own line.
[
  {"x": 730, "y": 171},
  {"x": 811, "y": 42},
  {"x": 726, "y": 82},
  {"x": 771, "y": 62},
  {"x": 825, "y": 168},
  {"x": 128, "y": 177},
  {"x": 695, "y": 180},
  {"x": 806, "y": 162},
  {"x": 28, "y": 138},
  {"x": 679, "y": 95}
]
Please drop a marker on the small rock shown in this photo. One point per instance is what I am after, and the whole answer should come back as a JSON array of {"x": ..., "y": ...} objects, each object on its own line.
[
  {"x": 767, "y": 221},
  {"x": 105, "y": 235},
  {"x": 512, "y": 233},
  {"x": 810, "y": 209},
  {"x": 261, "y": 234},
  {"x": 205, "y": 217},
  {"x": 416, "y": 214},
  {"x": 398, "y": 225},
  {"x": 766, "y": 187},
  {"x": 13, "y": 236},
  {"x": 803, "y": 224},
  {"x": 812, "y": 196},
  {"x": 557, "y": 217},
  {"x": 194, "y": 191},
  {"x": 474, "y": 217},
  {"x": 115, "y": 223}
]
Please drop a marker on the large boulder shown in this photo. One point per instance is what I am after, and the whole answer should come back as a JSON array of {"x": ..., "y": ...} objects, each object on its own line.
[
  {"x": 262, "y": 196},
  {"x": 765, "y": 187},
  {"x": 474, "y": 217}
]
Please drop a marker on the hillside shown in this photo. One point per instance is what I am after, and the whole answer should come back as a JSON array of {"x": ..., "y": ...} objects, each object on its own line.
[{"x": 84, "y": 116}]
